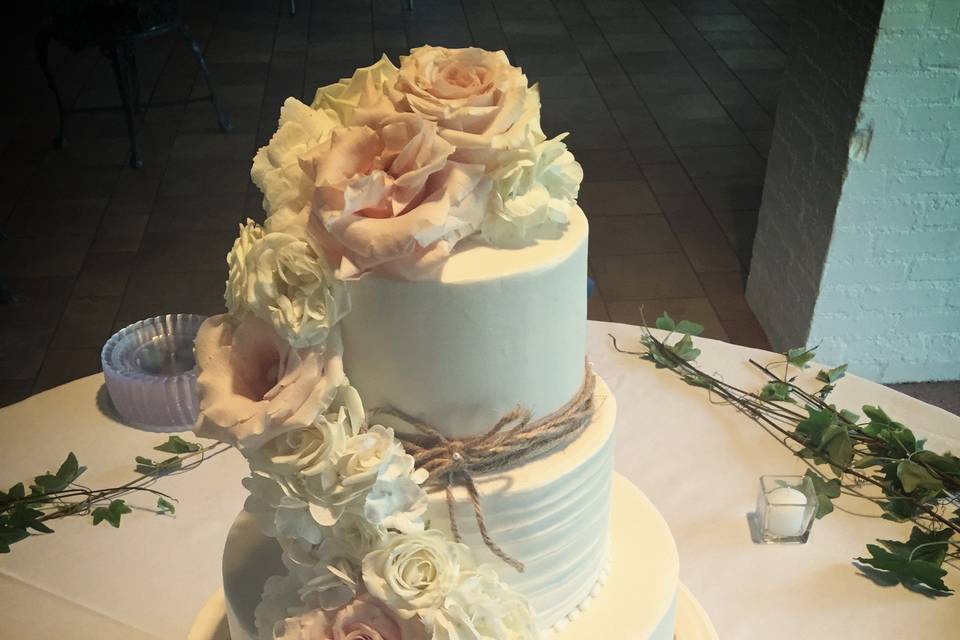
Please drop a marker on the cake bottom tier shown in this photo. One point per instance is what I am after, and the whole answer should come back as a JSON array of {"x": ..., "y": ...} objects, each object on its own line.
[{"x": 639, "y": 601}]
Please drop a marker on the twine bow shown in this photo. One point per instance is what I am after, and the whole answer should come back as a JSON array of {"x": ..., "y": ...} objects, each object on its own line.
[{"x": 514, "y": 440}]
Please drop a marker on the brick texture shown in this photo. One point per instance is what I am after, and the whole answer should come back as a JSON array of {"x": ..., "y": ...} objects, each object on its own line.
[{"x": 887, "y": 298}]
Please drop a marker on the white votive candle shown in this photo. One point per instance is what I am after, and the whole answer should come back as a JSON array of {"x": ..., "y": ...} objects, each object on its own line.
[{"x": 785, "y": 507}]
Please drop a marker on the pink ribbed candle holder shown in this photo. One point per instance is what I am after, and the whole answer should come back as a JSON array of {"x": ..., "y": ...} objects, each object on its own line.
[{"x": 151, "y": 372}]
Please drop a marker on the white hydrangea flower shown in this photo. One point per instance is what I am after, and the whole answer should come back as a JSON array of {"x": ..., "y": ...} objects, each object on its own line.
[
  {"x": 482, "y": 607},
  {"x": 535, "y": 185},
  {"x": 413, "y": 573},
  {"x": 278, "y": 514},
  {"x": 282, "y": 280},
  {"x": 396, "y": 500},
  {"x": 278, "y": 601}
]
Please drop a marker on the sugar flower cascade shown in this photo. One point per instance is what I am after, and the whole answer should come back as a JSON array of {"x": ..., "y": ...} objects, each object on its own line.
[{"x": 383, "y": 173}]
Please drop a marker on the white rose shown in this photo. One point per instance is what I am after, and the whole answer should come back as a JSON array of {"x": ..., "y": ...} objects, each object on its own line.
[
  {"x": 280, "y": 279},
  {"x": 414, "y": 572},
  {"x": 276, "y": 169},
  {"x": 482, "y": 608},
  {"x": 479, "y": 100},
  {"x": 534, "y": 186}
]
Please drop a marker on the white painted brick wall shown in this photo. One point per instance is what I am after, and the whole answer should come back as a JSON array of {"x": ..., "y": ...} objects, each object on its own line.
[
  {"x": 861, "y": 252},
  {"x": 888, "y": 299}
]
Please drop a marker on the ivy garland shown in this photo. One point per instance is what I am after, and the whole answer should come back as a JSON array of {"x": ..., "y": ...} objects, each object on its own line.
[{"x": 873, "y": 457}]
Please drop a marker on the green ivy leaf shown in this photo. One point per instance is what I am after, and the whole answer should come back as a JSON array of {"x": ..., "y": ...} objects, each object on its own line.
[
  {"x": 16, "y": 492},
  {"x": 914, "y": 476},
  {"x": 10, "y": 535},
  {"x": 779, "y": 391},
  {"x": 684, "y": 349},
  {"x": 665, "y": 322},
  {"x": 111, "y": 513},
  {"x": 176, "y": 444},
  {"x": 922, "y": 545},
  {"x": 800, "y": 357},
  {"x": 815, "y": 424},
  {"x": 906, "y": 571},
  {"x": 849, "y": 416},
  {"x": 838, "y": 447},
  {"x": 23, "y": 517},
  {"x": 689, "y": 328},
  {"x": 868, "y": 461},
  {"x": 830, "y": 376},
  {"x": 165, "y": 506},
  {"x": 826, "y": 490},
  {"x": 148, "y": 467}
]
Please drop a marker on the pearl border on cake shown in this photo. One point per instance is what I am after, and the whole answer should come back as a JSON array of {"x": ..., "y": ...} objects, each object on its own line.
[{"x": 560, "y": 625}]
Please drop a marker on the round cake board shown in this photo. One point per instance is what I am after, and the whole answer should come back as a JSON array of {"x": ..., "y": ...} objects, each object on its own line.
[
  {"x": 613, "y": 613},
  {"x": 692, "y": 621}
]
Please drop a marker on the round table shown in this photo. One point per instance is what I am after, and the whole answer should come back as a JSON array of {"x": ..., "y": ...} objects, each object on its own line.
[{"x": 698, "y": 462}]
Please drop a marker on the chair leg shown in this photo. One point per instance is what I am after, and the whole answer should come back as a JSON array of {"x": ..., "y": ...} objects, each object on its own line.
[
  {"x": 293, "y": 7},
  {"x": 42, "y": 46},
  {"x": 124, "y": 84},
  {"x": 130, "y": 57},
  {"x": 221, "y": 118}
]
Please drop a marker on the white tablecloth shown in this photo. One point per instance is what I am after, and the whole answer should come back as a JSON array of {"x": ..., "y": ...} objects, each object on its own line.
[{"x": 699, "y": 463}]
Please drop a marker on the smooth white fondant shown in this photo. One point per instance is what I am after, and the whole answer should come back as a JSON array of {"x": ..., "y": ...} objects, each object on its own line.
[
  {"x": 642, "y": 598},
  {"x": 552, "y": 514},
  {"x": 498, "y": 327}
]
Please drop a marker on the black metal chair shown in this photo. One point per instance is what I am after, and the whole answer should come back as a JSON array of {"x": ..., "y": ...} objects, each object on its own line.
[{"x": 114, "y": 26}]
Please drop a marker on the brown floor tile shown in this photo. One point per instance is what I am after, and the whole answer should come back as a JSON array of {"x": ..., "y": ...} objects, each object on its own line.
[
  {"x": 43, "y": 257},
  {"x": 746, "y": 331},
  {"x": 104, "y": 275},
  {"x": 120, "y": 233},
  {"x": 698, "y": 310},
  {"x": 174, "y": 251},
  {"x": 708, "y": 250},
  {"x": 641, "y": 277},
  {"x": 199, "y": 213},
  {"x": 56, "y": 218},
  {"x": 945, "y": 395},
  {"x": 608, "y": 165},
  {"x": 12, "y": 391},
  {"x": 152, "y": 294},
  {"x": 597, "y": 308},
  {"x": 619, "y": 235},
  {"x": 668, "y": 179},
  {"x": 740, "y": 160},
  {"x": 726, "y": 291},
  {"x": 687, "y": 213},
  {"x": 64, "y": 365},
  {"x": 625, "y": 198},
  {"x": 22, "y": 349},
  {"x": 86, "y": 322},
  {"x": 733, "y": 192}
]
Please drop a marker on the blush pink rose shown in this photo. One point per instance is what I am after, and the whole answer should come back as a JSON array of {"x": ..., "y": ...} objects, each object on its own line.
[
  {"x": 252, "y": 382},
  {"x": 479, "y": 100},
  {"x": 389, "y": 198}
]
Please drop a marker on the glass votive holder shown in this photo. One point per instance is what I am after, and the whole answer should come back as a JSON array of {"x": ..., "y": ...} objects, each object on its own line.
[
  {"x": 785, "y": 509},
  {"x": 151, "y": 372}
]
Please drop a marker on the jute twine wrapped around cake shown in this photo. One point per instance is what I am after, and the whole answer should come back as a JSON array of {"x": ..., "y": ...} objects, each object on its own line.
[{"x": 514, "y": 440}]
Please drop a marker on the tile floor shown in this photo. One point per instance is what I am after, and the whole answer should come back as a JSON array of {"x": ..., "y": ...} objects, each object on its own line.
[{"x": 670, "y": 106}]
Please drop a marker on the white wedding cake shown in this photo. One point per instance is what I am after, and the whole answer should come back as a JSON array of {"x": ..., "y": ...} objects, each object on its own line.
[{"x": 403, "y": 364}]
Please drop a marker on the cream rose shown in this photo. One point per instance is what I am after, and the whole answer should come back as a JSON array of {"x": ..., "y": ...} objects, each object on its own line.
[
  {"x": 362, "y": 98},
  {"x": 482, "y": 608},
  {"x": 390, "y": 198},
  {"x": 252, "y": 383},
  {"x": 280, "y": 279},
  {"x": 413, "y": 573},
  {"x": 534, "y": 186},
  {"x": 276, "y": 169},
  {"x": 479, "y": 100}
]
